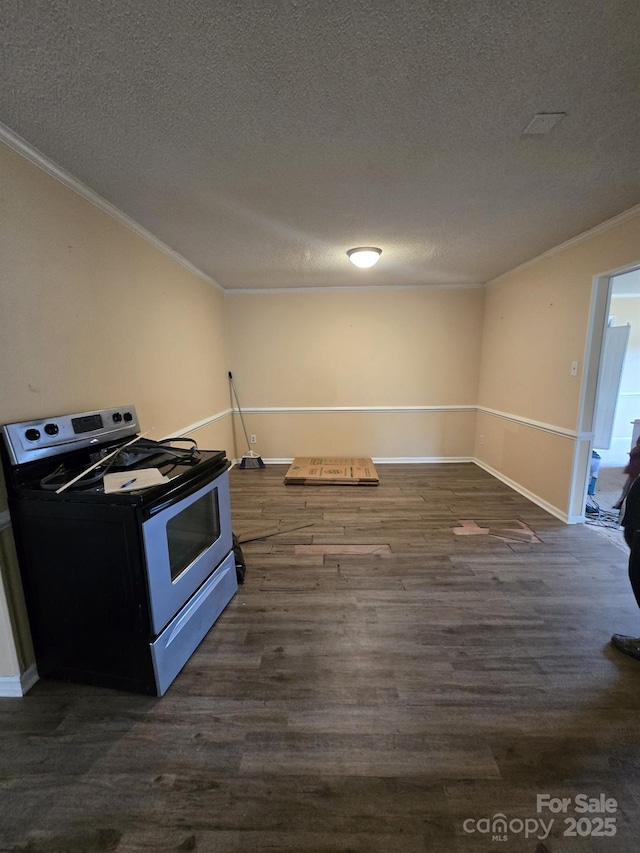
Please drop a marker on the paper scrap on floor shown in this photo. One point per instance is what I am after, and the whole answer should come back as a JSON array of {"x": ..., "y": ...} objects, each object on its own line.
[
  {"x": 130, "y": 481},
  {"x": 336, "y": 471}
]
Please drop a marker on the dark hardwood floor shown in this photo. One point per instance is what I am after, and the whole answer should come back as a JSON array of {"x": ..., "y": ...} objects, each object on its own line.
[{"x": 392, "y": 701}]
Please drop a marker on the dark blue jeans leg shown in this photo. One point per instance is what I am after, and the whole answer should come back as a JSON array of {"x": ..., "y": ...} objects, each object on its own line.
[{"x": 633, "y": 541}]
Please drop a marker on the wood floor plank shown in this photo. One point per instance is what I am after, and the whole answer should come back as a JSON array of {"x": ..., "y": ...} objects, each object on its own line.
[{"x": 356, "y": 701}]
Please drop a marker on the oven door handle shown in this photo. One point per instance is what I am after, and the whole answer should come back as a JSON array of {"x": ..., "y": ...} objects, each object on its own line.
[{"x": 181, "y": 492}]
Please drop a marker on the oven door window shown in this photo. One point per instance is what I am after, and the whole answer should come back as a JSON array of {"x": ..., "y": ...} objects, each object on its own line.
[{"x": 192, "y": 531}]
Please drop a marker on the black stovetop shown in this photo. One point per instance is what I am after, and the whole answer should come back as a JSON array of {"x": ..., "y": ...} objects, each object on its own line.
[{"x": 40, "y": 480}]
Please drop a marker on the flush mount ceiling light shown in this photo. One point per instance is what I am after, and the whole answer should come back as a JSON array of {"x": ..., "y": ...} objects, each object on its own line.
[{"x": 364, "y": 256}]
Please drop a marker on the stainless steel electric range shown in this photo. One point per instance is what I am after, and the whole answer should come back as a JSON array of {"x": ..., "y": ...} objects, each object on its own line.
[{"x": 124, "y": 544}]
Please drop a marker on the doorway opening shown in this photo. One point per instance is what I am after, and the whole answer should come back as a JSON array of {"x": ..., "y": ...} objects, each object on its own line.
[{"x": 610, "y": 403}]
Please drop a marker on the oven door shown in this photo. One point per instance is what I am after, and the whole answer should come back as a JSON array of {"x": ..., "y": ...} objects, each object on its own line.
[{"x": 184, "y": 543}]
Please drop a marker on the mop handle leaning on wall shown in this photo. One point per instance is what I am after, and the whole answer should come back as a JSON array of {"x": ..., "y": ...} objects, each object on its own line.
[{"x": 235, "y": 396}]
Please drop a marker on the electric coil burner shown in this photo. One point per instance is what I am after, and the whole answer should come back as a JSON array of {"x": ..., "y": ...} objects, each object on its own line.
[{"x": 122, "y": 583}]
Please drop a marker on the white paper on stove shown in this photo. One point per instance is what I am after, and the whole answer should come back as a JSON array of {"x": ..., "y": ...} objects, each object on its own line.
[{"x": 130, "y": 481}]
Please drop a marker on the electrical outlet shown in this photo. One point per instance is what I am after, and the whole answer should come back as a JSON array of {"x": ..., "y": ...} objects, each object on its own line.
[
  {"x": 253, "y": 439},
  {"x": 481, "y": 439}
]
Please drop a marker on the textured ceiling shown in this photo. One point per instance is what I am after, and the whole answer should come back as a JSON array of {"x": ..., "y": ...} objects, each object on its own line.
[{"x": 262, "y": 139}]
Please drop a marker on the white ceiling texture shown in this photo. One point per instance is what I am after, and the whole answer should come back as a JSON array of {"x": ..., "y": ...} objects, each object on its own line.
[{"x": 261, "y": 139}]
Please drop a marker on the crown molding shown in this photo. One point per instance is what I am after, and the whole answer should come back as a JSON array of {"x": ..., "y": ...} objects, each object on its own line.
[
  {"x": 22, "y": 147},
  {"x": 253, "y": 291},
  {"x": 573, "y": 241}
]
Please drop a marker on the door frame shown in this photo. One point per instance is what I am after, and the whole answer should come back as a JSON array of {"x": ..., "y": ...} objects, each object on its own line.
[{"x": 598, "y": 320}]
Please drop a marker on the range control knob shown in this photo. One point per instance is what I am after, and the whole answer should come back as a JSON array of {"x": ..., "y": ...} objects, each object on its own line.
[
  {"x": 128, "y": 416},
  {"x": 51, "y": 429},
  {"x": 32, "y": 434},
  {"x": 117, "y": 417}
]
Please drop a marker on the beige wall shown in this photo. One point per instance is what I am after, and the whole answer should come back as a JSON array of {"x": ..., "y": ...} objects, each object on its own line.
[
  {"x": 536, "y": 323},
  {"x": 414, "y": 351},
  {"x": 92, "y": 315},
  {"x": 412, "y": 435}
]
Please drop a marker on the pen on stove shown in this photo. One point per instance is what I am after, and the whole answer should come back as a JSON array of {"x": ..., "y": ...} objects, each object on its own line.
[{"x": 128, "y": 483}]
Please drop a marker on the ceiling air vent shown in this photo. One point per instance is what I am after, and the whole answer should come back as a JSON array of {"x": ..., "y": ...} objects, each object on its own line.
[{"x": 542, "y": 123}]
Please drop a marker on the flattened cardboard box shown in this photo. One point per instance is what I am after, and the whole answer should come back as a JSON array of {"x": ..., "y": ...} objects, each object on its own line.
[{"x": 337, "y": 471}]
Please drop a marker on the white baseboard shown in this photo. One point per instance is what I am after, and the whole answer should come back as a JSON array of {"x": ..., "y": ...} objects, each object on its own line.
[
  {"x": 388, "y": 460},
  {"x": 420, "y": 460},
  {"x": 433, "y": 460},
  {"x": 16, "y": 686},
  {"x": 536, "y": 499},
  {"x": 436, "y": 460},
  {"x": 11, "y": 686}
]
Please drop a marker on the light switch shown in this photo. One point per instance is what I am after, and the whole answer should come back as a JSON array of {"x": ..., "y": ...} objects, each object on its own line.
[{"x": 574, "y": 368}]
